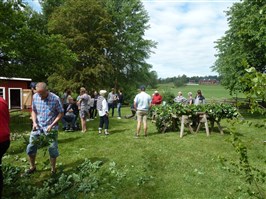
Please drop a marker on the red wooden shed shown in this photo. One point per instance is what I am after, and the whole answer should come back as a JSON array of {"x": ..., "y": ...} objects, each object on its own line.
[{"x": 16, "y": 91}]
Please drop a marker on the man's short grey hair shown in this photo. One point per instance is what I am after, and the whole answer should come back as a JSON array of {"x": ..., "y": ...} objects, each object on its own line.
[
  {"x": 189, "y": 94},
  {"x": 41, "y": 86}
]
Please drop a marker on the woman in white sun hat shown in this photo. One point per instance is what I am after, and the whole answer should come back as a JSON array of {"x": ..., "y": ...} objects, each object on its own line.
[{"x": 102, "y": 107}]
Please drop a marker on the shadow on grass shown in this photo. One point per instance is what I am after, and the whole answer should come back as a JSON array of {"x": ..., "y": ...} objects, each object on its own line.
[
  {"x": 226, "y": 132},
  {"x": 67, "y": 140},
  {"x": 150, "y": 134},
  {"x": 115, "y": 131},
  {"x": 72, "y": 167},
  {"x": 247, "y": 115},
  {"x": 19, "y": 150}
]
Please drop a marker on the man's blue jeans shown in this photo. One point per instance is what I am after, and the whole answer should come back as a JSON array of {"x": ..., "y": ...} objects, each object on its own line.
[{"x": 32, "y": 148}]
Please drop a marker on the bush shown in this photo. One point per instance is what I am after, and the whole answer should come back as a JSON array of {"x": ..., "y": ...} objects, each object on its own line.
[{"x": 167, "y": 117}]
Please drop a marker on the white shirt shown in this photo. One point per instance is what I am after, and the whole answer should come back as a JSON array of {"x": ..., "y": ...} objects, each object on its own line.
[
  {"x": 143, "y": 101},
  {"x": 104, "y": 108},
  {"x": 180, "y": 99}
]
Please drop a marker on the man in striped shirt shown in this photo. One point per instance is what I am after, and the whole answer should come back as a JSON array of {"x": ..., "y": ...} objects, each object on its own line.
[{"x": 47, "y": 110}]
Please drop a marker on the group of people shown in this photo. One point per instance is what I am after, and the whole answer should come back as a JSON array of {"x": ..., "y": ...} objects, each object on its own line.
[
  {"x": 199, "y": 99},
  {"x": 87, "y": 107},
  {"x": 48, "y": 109},
  {"x": 157, "y": 99},
  {"x": 84, "y": 107}
]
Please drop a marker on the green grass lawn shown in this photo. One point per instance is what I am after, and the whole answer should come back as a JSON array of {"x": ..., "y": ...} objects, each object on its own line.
[
  {"x": 210, "y": 92},
  {"x": 159, "y": 166}
]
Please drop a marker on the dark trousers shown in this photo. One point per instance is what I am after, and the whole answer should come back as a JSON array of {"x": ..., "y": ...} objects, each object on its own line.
[
  {"x": 133, "y": 113},
  {"x": 111, "y": 106},
  {"x": 65, "y": 108},
  {"x": 69, "y": 119},
  {"x": 91, "y": 111},
  {"x": 104, "y": 120},
  {"x": 3, "y": 148}
]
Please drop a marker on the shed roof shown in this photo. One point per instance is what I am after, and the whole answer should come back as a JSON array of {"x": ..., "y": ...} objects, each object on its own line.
[{"x": 15, "y": 79}]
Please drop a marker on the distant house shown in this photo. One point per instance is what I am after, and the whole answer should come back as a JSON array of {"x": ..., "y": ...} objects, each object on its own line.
[
  {"x": 208, "y": 81},
  {"x": 192, "y": 82},
  {"x": 16, "y": 91}
]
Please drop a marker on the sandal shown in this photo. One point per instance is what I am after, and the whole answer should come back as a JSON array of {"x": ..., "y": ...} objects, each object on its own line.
[
  {"x": 53, "y": 173},
  {"x": 30, "y": 171}
]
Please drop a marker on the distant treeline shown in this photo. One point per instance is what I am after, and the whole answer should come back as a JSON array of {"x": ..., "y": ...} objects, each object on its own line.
[{"x": 181, "y": 80}]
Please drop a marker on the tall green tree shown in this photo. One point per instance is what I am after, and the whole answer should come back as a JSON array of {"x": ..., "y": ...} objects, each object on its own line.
[
  {"x": 243, "y": 45},
  {"x": 84, "y": 25},
  {"x": 153, "y": 79},
  {"x": 129, "y": 49},
  {"x": 108, "y": 37},
  {"x": 25, "y": 49},
  {"x": 181, "y": 81}
]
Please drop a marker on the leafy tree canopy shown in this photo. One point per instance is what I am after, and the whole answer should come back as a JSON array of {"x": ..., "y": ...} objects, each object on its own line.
[
  {"x": 25, "y": 49},
  {"x": 243, "y": 45},
  {"x": 108, "y": 38}
]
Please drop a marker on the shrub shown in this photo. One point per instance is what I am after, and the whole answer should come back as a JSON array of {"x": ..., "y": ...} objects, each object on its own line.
[{"x": 167, "y": 117}]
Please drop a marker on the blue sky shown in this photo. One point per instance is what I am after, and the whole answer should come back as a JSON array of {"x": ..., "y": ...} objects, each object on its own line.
[{"x": 185, "y": 31}]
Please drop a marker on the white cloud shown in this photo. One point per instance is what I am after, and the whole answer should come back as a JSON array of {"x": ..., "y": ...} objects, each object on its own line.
[{"x": 185, "y": 32}]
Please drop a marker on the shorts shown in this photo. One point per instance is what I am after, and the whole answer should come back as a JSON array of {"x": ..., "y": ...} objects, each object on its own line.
[
  {"x": 83, "y": 113},
  {"x": 32, "y": 149},
  {"x": 142, "y": 116}
]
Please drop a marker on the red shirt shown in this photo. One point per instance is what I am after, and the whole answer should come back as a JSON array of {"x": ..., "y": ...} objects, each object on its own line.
[
  {"x": 4, "y": 121},
  {"x": 157, "y": 99}
]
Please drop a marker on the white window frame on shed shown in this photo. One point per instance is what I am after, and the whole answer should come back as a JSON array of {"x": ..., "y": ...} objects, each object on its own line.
[
  {"x": 4, "y": 92},
  {"x": 9, "y": 97}
]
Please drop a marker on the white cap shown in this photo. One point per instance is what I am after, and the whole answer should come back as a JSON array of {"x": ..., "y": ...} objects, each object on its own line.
[{"x": 156, "y": 92}]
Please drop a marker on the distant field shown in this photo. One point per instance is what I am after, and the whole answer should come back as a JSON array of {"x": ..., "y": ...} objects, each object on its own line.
[{"x": 210, "y": 92}]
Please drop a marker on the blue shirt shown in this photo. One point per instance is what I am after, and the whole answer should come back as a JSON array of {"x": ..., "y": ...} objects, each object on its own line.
[
  {"x": 46, "y": 110},
  {"x": 143, "y": 101}
]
